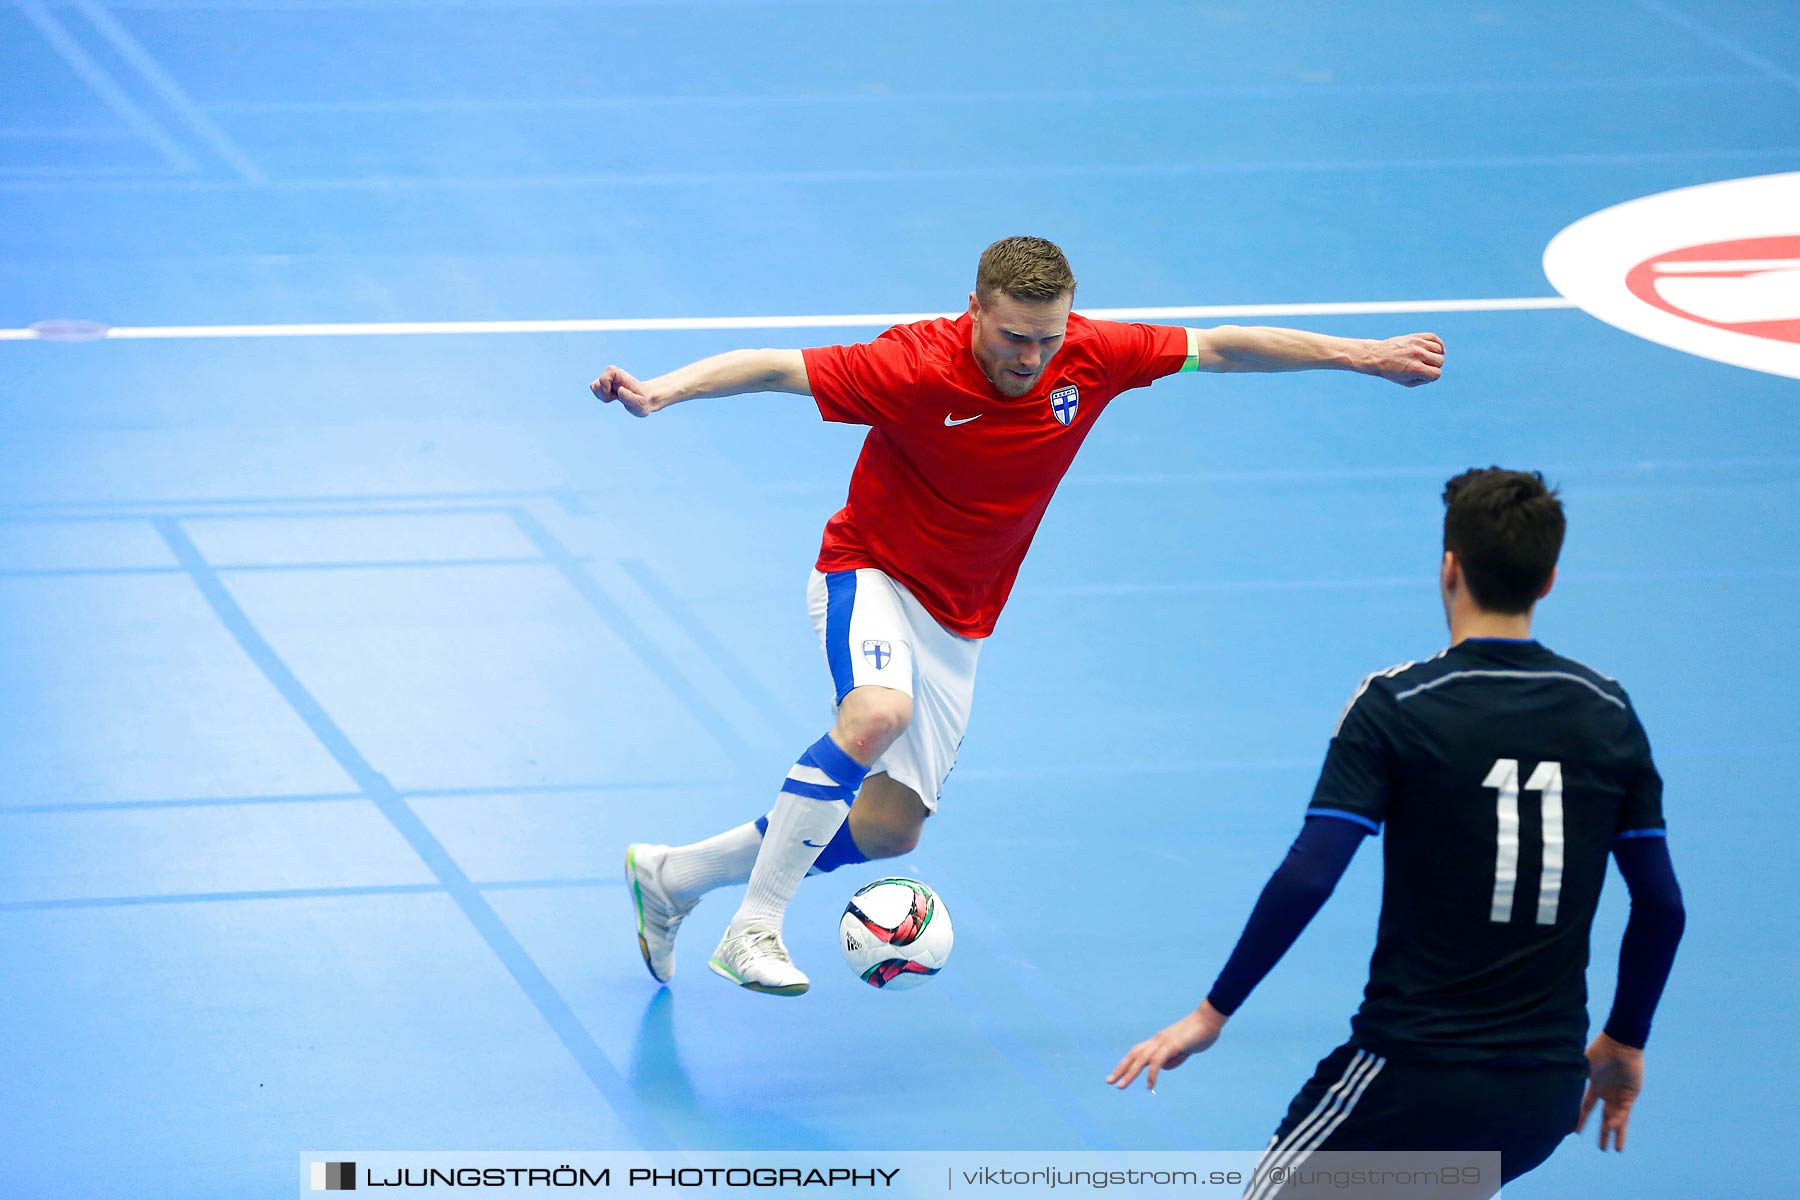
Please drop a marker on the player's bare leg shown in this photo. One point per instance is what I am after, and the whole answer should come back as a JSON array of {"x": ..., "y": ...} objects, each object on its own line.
[
  {"x": 887, "y": 819},
  {"x": 811, "y": 809}
]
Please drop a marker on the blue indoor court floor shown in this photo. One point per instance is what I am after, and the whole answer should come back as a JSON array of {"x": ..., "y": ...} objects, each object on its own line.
[{"x": 338, "y": 666}]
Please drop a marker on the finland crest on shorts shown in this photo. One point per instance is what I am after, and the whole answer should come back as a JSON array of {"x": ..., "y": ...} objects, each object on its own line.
[
  {"x": 1063, "y": 402},
  {"x": 874, "y": 631}
]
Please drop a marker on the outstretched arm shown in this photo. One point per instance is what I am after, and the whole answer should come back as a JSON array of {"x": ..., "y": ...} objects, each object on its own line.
[
  {"x": 1411, "y": 360},
  {"x": 1293, "y": 896},
  {"x": 728, "y": 374}
]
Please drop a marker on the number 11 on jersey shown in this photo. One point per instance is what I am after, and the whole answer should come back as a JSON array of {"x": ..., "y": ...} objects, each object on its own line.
[{"x": 1547, "y": 781}]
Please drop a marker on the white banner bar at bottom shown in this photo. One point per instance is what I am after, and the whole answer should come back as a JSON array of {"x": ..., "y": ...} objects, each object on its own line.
[{"x": 976, "y": 1174}]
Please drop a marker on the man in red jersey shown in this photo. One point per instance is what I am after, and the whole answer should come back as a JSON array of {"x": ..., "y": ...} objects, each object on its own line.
[{"x": 973, "y": 423}]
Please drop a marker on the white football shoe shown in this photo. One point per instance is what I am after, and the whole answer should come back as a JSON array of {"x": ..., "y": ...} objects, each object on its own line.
[
  {"x": 753, "y": 957},
  {"x": 658, "y": 916}
]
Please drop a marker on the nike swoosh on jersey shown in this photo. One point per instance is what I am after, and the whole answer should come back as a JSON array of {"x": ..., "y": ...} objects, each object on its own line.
[
  {"x": 951, "y": 419},
  {"x": 814, "y": 845}
]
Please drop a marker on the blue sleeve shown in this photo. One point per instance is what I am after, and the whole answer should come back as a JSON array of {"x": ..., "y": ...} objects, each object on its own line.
[
  {"x": 1647, "y": 951},
  {"x": 1294, "y": 894}
]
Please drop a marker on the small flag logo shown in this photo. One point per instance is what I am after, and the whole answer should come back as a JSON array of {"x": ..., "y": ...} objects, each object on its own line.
[{"x": 334, "y": 1177}]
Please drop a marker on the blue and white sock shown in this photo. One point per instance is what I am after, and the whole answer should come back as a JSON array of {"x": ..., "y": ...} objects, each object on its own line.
[
  {"x": 691, "y": 871},
  {"x": 841, "y": 851},
  {"x": 809, "y": 812}
]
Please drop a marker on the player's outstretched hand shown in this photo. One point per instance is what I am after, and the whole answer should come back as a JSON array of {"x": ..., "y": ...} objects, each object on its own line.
[
  {"x": 1615, "y": 1077},
  {"x": 1169, "y": 1049},
  {"x": 1410, "y": 360},
  {"x": 616, "y": 383}
]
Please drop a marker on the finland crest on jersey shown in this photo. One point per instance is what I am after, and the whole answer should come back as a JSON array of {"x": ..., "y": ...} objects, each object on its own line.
[
  {"x": 877, "y": 652},
  {"x": 1063, "y": 402}
]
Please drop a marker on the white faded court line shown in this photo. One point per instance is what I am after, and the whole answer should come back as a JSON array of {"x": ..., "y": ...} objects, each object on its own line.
[
  {"x": 164, "y": 85},
  {"x": 104, "y": 85},
  {"x": 89, "y": 331}
]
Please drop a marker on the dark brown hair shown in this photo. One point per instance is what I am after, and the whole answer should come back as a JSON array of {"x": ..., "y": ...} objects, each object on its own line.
[{"x": 1506, "y": 529}]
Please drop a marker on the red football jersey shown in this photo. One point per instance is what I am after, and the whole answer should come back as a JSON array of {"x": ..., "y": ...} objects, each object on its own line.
[{"x": 954, "y": 477}]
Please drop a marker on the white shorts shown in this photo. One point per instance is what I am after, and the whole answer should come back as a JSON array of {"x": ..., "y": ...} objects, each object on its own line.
[{"x": 875, "y": 633}]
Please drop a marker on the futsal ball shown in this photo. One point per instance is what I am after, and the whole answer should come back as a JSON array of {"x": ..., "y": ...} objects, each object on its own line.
[{"x": 895, "y": 933}]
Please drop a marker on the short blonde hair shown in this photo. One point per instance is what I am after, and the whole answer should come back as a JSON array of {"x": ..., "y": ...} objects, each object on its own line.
[{"x": 1025, "y": 268}]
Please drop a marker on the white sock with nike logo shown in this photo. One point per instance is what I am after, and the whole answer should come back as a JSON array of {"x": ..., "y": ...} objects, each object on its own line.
[
  {"x": 814, "y": 801},
  {"x": 691, "y": 871}
]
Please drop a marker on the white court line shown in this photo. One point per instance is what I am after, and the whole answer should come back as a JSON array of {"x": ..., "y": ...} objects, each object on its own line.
[
  {"x": 814, "y": 321},
  {"x": 1089, "y": 95},
  {"x": 104, "y": 86},
  {"x": 757, "y": 181},
  {"x": 63, "y": 133},
  {"x": 1697, "y": 267},
  {"x": 1713, "y": 37},
  {"x": 163, "y": 85}
]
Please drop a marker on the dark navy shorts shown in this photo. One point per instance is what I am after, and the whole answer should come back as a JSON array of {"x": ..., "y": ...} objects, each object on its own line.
[{"x": 1359, "y": 1100}]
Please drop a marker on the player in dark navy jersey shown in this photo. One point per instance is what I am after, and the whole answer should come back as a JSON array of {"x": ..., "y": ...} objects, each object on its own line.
[{"x": 1503, "y": 776}]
